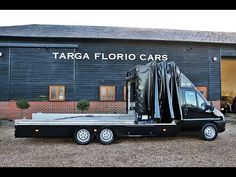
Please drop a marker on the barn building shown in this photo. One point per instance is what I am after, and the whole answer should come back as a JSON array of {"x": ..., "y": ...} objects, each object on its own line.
[{"x": 54, "y": 66}]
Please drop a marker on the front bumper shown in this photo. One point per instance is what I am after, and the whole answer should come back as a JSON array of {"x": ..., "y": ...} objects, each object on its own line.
[{"x": 221, "y": 125}]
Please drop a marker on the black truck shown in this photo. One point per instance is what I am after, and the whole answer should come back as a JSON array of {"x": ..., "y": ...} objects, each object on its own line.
[{"x": 161, "y": 101}]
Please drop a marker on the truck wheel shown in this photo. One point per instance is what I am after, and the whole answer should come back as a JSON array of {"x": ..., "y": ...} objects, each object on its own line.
[
  {"x": 83, "y": 136},
  {"x": 106, "y": 136},
  {"x": 209, "y": 132}
]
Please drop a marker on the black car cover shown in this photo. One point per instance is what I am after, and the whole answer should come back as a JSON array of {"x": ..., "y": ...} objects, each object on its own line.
[{"x": 157, "y": 90}]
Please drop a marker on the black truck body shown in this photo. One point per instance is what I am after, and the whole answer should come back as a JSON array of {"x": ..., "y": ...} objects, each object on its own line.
[{"x": 161, "y": 101}]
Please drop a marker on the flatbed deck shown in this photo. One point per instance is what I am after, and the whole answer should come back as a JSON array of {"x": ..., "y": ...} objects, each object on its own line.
[
  {"x": 66, "y": 125},
  {"x": 81, "y": 119}
]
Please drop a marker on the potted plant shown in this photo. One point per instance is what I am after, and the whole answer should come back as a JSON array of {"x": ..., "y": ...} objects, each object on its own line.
[
  {"x": 83, "y": 105},
  {"x": 22, "y": 104}
]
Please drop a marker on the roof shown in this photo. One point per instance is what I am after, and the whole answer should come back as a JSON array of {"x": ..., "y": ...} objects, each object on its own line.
[{"x": 104, "y": 32}]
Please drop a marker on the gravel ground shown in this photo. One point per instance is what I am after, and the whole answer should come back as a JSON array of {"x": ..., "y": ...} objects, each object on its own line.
[{"x": 182, "y": 151}]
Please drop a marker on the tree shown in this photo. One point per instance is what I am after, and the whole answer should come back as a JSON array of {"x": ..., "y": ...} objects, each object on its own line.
[
  {"x": 22, "y": 104},
  {"x": 83, "y": 105}
]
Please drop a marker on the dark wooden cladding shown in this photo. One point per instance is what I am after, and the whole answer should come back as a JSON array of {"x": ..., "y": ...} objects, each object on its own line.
[
  {"x": 4, "y": 74},
  {"x": 28, "y": 71},
  {"x": 34, "y": 69},
  {"x": 214, "y": 73}
]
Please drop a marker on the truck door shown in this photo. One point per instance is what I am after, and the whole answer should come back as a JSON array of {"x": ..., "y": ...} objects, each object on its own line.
[{"x": 194, "y": 105}]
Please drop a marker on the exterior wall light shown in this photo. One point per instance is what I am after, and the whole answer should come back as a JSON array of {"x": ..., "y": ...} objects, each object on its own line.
[
  {"x": 214, "y": 59},
  {"x": 1, "y": 54}
]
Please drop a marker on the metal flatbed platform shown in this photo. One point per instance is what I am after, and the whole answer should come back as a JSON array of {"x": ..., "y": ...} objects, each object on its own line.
[{"x": 83, "y": 119}]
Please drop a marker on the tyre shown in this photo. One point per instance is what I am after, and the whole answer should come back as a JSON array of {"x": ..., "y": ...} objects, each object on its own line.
[
  {"x": 83, "y": 136},
  {"x": 209, "y": 132},
  {"x": 106, "y": 136}
]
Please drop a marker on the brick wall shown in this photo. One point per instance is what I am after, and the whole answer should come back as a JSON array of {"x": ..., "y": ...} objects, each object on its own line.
[
  {"x": 9, "y": 110},
  {"x": 217, "y": 104}
]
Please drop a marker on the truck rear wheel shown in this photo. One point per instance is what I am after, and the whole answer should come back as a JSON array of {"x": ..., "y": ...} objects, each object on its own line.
[
  {"x": 209, "y": 132},
  {"x": 83, "y": 136},
  {"x": 106, "y": 136}
]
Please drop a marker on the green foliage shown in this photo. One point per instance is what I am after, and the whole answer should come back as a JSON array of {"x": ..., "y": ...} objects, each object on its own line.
[
  {"x": 45, "y": 98},
  {"x": 22, "y": 103},
  {"x": 83, "y": 105}
]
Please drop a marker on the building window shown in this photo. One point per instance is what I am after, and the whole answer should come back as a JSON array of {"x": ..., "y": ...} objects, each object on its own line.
[
  {"x": 124, "y": 93},
  {"x": 56, "y": 93},
  {"x": 107, "y": 93},
  {"x": 203, "y": 90}
]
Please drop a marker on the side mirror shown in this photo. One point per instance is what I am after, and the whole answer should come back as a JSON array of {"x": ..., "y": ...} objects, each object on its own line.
[{"x": 210, "y": 107}]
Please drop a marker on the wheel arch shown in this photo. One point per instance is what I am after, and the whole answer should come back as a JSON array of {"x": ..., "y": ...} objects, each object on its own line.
[{"x": 210, "y": 122}]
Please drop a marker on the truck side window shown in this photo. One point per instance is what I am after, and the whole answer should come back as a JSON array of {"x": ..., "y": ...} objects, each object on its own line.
[
  {"x": 201, "y": 102},
  {"x": 190, "y": 98}
]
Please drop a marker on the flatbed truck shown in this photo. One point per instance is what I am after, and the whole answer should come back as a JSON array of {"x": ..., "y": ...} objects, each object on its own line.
[{"x": 161, "y": 101}]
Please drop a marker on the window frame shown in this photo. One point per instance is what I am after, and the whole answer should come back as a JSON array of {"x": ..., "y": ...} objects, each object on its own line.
[
  {"x": 57, "y": 93},
  {"x": 100, "y": 92}
]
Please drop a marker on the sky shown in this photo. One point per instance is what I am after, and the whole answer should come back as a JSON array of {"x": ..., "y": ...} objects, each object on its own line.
[{"x": 202, "y": 20}]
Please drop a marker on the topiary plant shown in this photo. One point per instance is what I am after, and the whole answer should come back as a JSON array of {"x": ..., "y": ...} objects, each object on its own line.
[
  {"x": 83, "y": 105},
  {"x": 22, "y": 104}
]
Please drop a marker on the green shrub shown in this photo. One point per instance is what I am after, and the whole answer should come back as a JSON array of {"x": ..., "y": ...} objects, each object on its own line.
[
  {"x": 41, "y": 98},
  {"x": 83, "y": 105},
  {"x": 22, "y": 104}
]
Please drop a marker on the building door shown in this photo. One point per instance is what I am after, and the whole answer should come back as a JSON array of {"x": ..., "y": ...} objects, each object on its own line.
[
  {"x": 228, "y": 83},
  {"x": 228, "y": 79}
]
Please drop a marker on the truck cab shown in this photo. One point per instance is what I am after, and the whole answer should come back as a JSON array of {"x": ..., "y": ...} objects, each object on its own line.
[
  {"x": 178, "y": 100},
  {"x": 198, "y": 112}
]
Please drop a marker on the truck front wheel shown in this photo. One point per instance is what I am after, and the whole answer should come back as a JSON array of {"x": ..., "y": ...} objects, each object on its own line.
[
  {"x": 106, "y": 136},
  {"x": 83, "y": 136},
  {"x": 209, "y": 132}
]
